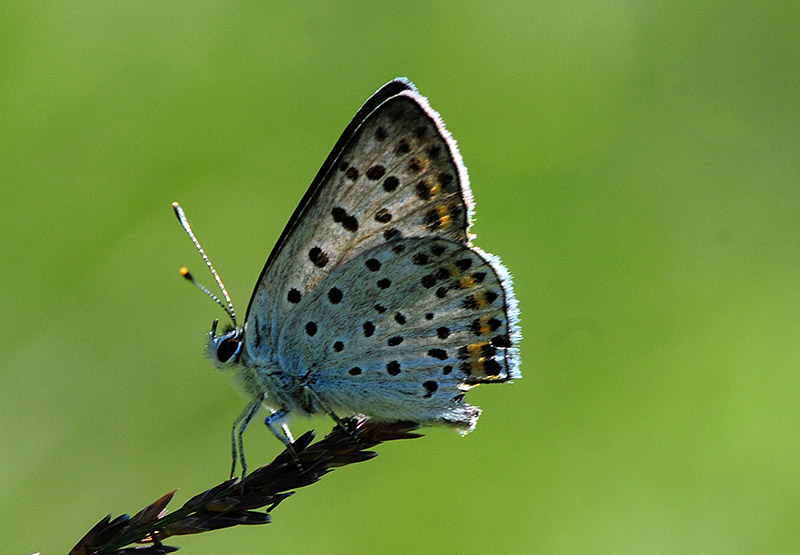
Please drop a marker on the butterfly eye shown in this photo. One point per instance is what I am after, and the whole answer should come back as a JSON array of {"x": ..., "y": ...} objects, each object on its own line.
[{"x": 228, "y": 348}]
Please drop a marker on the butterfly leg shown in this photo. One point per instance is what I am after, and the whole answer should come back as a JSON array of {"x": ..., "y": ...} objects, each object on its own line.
[
  {"x": 282, "y": 432},
  {"x": 237, "y": 443},
  {"x": 288, "y": 433},
  {"x": 339, "y": 421}
]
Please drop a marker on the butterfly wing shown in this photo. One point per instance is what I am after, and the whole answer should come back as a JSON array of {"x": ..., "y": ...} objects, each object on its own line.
[
  {"x": 374, "y": 298},
  {"x": 394, "y": 173},
  {"x": 401, "y": 330}
]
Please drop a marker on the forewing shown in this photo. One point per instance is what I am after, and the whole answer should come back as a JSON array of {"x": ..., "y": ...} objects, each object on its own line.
[{"x": 396, "y": 173}]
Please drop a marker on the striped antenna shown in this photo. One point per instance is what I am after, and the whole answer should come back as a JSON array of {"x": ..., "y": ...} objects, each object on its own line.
[{"x": 228, "y": 305}]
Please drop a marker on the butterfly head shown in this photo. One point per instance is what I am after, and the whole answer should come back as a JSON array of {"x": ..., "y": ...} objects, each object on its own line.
[{"x": 224, "y": 349}]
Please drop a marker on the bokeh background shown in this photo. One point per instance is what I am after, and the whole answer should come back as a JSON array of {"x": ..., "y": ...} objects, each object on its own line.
[{"x": 636, "y": 165}]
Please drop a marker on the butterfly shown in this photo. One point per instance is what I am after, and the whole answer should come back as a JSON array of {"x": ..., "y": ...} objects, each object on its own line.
[{"x": 374, "y": 301}]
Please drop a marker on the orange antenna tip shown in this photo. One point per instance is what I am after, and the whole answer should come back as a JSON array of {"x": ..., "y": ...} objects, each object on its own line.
[{"x": 227, "y": 306}]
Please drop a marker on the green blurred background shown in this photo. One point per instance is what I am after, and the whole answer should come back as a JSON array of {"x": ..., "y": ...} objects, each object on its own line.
[{"x": 636, "y": 165}]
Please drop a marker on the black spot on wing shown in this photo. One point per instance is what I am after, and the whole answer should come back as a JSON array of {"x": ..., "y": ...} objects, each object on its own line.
[
  {"x": 347, "y": 221},
  {"x": 335, "y": 295},
  {"x": 431, "y": 387},
  {"x": 318, "y": 257},
  {"x": 391, "y": 184},
  {"x": 375, "y": 172},
  {"x": 383, "y": 216},
  {"x": 294, "y": 296}
]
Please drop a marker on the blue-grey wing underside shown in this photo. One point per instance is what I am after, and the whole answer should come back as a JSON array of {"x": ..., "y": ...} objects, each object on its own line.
[{"x": 374, "y": 291}]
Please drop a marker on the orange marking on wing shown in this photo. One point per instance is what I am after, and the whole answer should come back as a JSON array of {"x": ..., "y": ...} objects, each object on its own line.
[{"x": 444, "y": 215}]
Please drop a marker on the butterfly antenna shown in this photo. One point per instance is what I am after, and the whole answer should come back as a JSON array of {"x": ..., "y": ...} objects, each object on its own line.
[{"x": 186, "y": 274}]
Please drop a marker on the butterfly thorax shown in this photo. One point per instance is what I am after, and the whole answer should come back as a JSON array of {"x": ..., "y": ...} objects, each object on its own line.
[{"x": 257, "y": 379}]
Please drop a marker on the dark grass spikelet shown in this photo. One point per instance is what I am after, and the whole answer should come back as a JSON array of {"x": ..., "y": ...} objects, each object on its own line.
[{"x": 235, "y": 502}]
